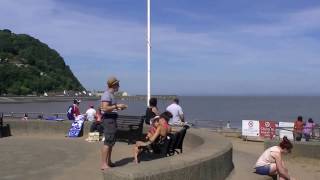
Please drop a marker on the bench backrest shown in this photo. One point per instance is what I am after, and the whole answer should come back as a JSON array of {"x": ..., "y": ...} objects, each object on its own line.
[{"x": 130, "y": 120}]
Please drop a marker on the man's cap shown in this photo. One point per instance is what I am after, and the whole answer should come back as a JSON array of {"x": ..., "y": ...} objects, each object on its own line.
[{"x": 112, "y": 81}]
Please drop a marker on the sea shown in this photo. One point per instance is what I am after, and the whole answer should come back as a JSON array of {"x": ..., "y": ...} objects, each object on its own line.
[{"x": 202, "y": 111}]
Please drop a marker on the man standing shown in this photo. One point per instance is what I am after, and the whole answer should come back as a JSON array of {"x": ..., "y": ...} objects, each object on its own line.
[
  {"x": 109, "y": 113},
  {"x": 177, "y": 113}
]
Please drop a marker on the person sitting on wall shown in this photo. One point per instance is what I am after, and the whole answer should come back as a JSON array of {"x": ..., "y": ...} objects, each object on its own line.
[
  {"x": 73, "y": 110},
  {"x": 270, "y": 162},
  {"x": 91, "y": 113},
  {"x": 97, "y": 125},
  {"x": 154, "y": 138},
  {"x": 152, "y": 110}
]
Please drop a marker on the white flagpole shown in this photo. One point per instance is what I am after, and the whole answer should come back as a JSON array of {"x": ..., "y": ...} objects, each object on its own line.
[{"x": 149, "y": 52}]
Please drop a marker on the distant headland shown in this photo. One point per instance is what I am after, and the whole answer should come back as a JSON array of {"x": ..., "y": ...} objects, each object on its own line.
[{"x": 30, "y": 67}]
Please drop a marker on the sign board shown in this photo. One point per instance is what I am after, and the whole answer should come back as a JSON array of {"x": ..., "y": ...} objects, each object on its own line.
[
  {"x": 267, "y": 129},
  {"x": 250, "y": 128},
  {"x": 286, "y": 129}
]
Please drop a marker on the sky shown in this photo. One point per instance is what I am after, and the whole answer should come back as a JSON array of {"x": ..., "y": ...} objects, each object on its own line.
[{"x": 204, "y": 47}]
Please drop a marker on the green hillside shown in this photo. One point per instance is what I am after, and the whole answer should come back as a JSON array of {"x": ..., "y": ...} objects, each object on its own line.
[{"x": 28, "y": 66}]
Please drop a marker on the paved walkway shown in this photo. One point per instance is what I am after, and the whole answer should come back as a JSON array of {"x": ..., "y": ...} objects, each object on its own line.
[
  {"x": 56, "y": 158},
  {"x": 59, "y": 158}
]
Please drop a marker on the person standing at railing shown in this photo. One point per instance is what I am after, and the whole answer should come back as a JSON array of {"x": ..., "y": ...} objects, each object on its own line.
[
  {"x": 73, "y": 110},
  {"x": 308, "y": 129},
  {"x": 298, "y": 128},
  {"x": 109, "y": 108}
]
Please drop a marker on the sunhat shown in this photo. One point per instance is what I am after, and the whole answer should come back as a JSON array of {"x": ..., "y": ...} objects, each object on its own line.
[{"x": 112, "y": 81}]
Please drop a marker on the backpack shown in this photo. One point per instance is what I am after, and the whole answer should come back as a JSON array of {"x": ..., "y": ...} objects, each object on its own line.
[{"x": 70, "y": 112}]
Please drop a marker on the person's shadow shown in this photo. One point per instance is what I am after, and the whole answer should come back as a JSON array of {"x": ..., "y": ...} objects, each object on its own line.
[
  {"x": 144, "y": 156},
  {"x": 124, "y": 161}
]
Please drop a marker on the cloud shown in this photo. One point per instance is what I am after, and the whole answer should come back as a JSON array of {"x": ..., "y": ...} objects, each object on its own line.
[
  {"x": 287, "y": 24},
  {"x": 96, "y": 45}
]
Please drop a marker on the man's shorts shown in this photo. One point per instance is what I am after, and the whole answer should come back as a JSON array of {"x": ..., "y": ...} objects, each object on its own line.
[
  {"x": 263, "y": 170},
  {"x": 109, "y": 139},
  {"x": 109, "y": 131}
]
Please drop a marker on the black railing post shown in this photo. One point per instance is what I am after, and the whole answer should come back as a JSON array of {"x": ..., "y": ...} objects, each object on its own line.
[
  {"x": 1, "y": 125},
  {"x": 1, "y": 120}
]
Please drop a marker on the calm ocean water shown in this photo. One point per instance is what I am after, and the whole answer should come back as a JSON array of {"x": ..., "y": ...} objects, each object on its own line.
[{"x": 206, "y": 110}]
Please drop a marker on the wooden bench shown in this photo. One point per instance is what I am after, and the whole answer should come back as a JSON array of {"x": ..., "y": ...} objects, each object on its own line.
[{"x": 129, "y": 128}]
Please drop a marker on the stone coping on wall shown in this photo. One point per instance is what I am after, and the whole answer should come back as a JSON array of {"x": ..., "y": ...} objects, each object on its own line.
[{"x": 209, "y": 158}]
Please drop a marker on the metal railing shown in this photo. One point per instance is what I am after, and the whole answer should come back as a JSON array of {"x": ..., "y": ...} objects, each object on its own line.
[{"x": 34, "y": 115}]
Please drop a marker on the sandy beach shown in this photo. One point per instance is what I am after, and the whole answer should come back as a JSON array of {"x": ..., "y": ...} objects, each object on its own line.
[{"x": 245, "y": 154}]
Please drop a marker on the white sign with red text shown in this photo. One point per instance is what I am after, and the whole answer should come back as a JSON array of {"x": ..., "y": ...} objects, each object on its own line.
[{"x": 250, "y": 128}]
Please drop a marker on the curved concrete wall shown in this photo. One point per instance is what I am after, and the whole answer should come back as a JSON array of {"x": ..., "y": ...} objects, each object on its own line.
[
  {"x": 209, "y": 159},
  {"x": 210, "y": 156},
  {"x": 300, "y": 149}
]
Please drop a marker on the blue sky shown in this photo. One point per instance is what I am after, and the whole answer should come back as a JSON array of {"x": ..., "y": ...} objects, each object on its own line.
[{"x": 205, "y": 47}]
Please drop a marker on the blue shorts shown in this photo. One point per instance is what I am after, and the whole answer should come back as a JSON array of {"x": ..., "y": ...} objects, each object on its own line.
[{"x": 263, "y": 170}]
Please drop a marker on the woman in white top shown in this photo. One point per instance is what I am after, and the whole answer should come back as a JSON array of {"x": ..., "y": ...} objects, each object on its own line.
[{"x": 271, "y": 163}]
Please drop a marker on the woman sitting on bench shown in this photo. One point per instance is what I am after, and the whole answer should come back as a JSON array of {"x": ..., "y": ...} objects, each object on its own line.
[{"x": 153, "y": 138}]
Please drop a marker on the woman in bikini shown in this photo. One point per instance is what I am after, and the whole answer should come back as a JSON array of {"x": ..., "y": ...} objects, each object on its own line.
[{"x": 162, "y": 129}]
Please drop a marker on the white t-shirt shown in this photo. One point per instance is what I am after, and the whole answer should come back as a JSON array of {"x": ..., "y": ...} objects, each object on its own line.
[
  {"x": 91, "y": 114},
  {"x": 176, "y": 111}
]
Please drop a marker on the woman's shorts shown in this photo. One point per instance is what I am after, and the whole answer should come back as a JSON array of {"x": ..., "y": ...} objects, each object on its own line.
[{"x": 263, "y": 170}]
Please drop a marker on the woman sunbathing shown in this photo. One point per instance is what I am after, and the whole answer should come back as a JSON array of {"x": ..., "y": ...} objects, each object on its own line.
[{"x": 162, "y": 129}]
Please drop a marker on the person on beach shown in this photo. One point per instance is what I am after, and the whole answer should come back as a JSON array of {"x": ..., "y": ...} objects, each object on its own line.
[
  {"x": 109, "y": 108},
  {"x": 91, "y": 113},
  {"x": 271, "y": 163},
  {"x": 177, "y": 113},
  {"x": 308, "y": 129},
  {"x": 152, "y": 110},
  {"x": 298, "y": 128},
  {"x": 154, "y": 138},
  {"x": 73, "y": 110}
]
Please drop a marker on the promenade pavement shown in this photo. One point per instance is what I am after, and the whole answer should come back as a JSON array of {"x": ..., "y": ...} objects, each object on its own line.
[{"x": 58, "y": 158}]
